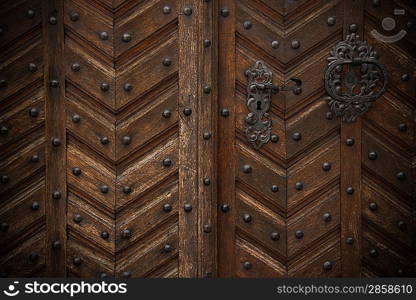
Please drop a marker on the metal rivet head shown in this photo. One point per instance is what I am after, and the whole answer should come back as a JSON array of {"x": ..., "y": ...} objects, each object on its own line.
[
  {"x": 297, "y": 90},
  {"x": 54, "y": 83},
  {"x": 376, "y": 3},
  {"x": 410, "y": 25},
  {"x": 75, "y": 67},
  {"x": 102, "y": 275},
  {"x": 326, "y": 166},
  {"x": 167, "y": 248},
  {"x": 187, "y": 207},
  {"x": 187, "y": 11},
  {"x": 297, "y": 136},
  {"x": 167, "y": 207},
  {"x": 331, "y": 21},
  {"x": 166, "y": 61},
  {"x": 187, "y": 111},
  {"x": 274, "y": 188},
  {"x": 353, "y": 27},
  {"x": 275, "y": 236},
  {"x": 53, "y": 20},
  {"x": 327, "y": 217},
  {"x": 34, "y": 158},
  {"x": 207, "y": 89},
  {"x": 104, "y": 188},
  {"x": 275, "y": 44},
  {"x": 274, "y": 138},
  {"x": 76, "y": 118},
  {"x": 126, "y": 140},
  {"x": 30, "y": 13},
  {"x": 74, "y": 16},
  {"x": 372, "y": 155},
  {"x": 32, "y": 67},
  {"x": 35, "y": 205},
  {"x": 105, "y": 87},
  {"x": 350, "y": 190},
  {"x": 56, "y": 245},
  {"x": 225, "y": 112},
  {"x": 76, "y": 171},
  {"x": 56, "y": 195},
  {"x": 247, "y": 169},
  {"x": 77, "y": 218},
  {"x": 402, "y": 127},
  {"x": 167, "y": 162},
  {"x": 349, "y": 240},
  {"x": 295, "y": 44},
  {"x": 401, "y": 225},
  {"x": 225, "y": 208},
  {"x": 400, "y": 272},
  {"x": 127, "y": 189},
  {"x": 373, "y": 253},
  {"x": 327, "y": 266},
  {"x": 4, "y": 179},
  {"x": 329, "y": 115},
  {"x": 56, "y": 142},
  {"x": 126, "y": 274},
  {"x": 207, "y": 228},
  {"x": 166, "y": 113},
  {"x": 247, "y": 218},
  {"x": 225, "y": 12},
  {"x": 207, "y": 181},
  {"x": 103, "y": 36},
  {"x": 299, "y": 186},
  {"x": 401, "y": 176},
  {"x": 207, "y": 43},
  {"x": 247, "y": 25},
  {"x": 128, "y": 87},
  {"x": 349, "y": 141},
  {"x": 126, "y": 37},
  {"x": 33, "y": 257},
  {"x": 4, "y": 227},
  {"x": 126, "y": 234},
  {"x": 247, "y": 265},
  {"x": 4, "y": 130},
  {"x": 77, "y": 261},
  {"x": 105, "y": 235},
  {"x": 405, "y": 77},
  {"x": 372, "y": 206},
  {"x": 166, "y": 10},
  {"x": 104, "y": 140},
  {"x": 206, "y": 135},
  {"x": 3, "y": 83},
  {"x": 299, "y": 234}
]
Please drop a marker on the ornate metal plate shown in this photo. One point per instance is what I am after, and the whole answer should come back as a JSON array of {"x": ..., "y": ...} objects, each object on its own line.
[
  {"x": 259, "y": 92},
  {"x": 354, "y": 78}
]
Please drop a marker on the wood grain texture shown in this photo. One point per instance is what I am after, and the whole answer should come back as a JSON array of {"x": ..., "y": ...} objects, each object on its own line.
[
  {"x": 189, "y": 97},
  {"x": 55, "y": 129},
  {"x": 207, "y": 120}
]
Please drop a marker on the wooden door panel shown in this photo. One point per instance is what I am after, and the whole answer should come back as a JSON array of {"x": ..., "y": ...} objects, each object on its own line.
[
  {"x": 124, "y": 145},
  {"x": 330, "y": 170}
]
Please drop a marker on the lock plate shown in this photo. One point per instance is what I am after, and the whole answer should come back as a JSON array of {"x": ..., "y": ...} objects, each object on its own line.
[{"x": 259, "y": 96}]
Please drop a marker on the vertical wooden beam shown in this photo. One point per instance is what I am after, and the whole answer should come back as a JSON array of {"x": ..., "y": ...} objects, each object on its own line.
[
  {"x": 188, "y": 110},
  {"x": 351, "y": 167},
  {"x": 54, "y": 85},
  {"x": 207, "y": 119},
  {"x": 226, "y": 138}
]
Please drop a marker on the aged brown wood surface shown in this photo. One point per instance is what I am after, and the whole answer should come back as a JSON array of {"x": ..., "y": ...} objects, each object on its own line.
[{"x": 123, "y": 151}]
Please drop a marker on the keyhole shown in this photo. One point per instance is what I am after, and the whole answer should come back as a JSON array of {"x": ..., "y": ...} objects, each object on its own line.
[{"x": 258, "y": 105}]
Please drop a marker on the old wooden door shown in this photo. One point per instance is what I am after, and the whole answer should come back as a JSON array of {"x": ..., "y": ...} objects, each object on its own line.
[
  {"x": 100, "y": 123},
  {"x": 322, "y": 197},
  {"x": 123, "y": 149}
]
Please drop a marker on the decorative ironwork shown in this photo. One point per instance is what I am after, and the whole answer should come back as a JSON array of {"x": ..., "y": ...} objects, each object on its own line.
[
  {"x": 354, "y": 78},
  {"x": 259, "y": 91}
]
